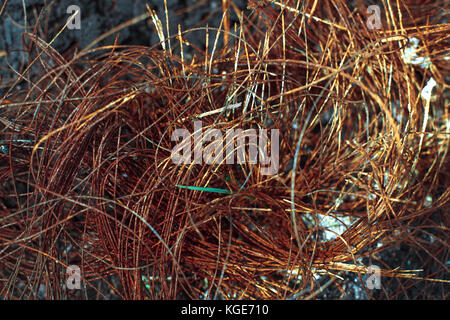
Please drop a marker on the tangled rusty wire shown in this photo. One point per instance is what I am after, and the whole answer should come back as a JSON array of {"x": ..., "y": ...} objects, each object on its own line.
[{"x": 87, "y": 177}]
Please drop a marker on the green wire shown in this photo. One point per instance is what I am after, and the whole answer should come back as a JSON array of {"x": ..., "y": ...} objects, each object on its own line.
[{"x": 217, "y": 190}]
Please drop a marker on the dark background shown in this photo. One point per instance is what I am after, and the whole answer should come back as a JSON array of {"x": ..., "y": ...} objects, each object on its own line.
[{"x": 97, "y": 18}]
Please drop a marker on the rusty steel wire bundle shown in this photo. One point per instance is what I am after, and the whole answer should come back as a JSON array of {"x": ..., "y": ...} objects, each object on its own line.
[{"x": 87, "y": 179}]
